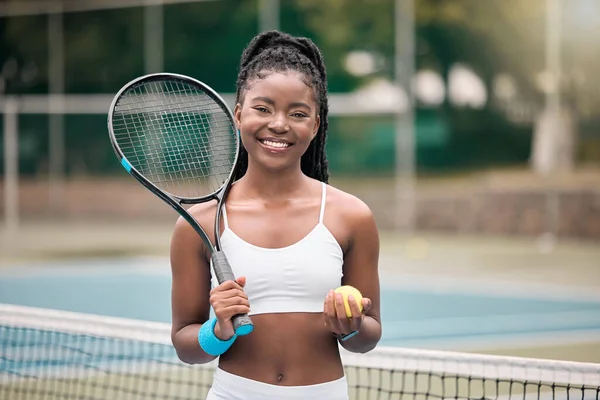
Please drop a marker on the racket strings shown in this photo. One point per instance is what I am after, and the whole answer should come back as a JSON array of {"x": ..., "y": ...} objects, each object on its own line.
[
  {"x": 176, "y": 136},
  {"x": 180, "y": 143}
]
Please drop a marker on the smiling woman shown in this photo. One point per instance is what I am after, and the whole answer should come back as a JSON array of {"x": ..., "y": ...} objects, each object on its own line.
[
  {"x": 273, "y": 52},
  {"x": 287, "y": 272}
]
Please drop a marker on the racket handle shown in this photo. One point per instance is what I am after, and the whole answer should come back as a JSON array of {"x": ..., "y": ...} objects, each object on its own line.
[{"x": 242, "y": 324}]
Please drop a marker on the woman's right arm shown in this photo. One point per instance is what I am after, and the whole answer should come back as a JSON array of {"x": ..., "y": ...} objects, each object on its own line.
[
  {"x": 190, "y": 290},
  {"x": 192, "y": 297}
]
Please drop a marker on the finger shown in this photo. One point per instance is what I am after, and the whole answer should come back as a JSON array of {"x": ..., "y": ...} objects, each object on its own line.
[
  {"x": 330, "y": 304},
  {"x": 342, "y": 317},
  {"x": 340, "y": 307},
  {"x": 233, "y": 293},
  {"x": 227, "y": 313},
  {"x": 357, "y": 316},
  {"x": 222, "y": 306},
  {"x": 229, "y": 310},
  {"x": 232, "y": 301},
  {"x": 366, "y": 303},
  {"x": 329, "y": 312},
  {"x": 228, "y": 290},
  {"x": 219, "y": 303},
  {"x": 241, "y": 280},
  {"x": 354, "y": 307},
  {"x": 234, "y": 284},
  {"x": 229, "y": 297},
  {"x": 227, "y": 285},
  {"x": 229, "y": 301}
]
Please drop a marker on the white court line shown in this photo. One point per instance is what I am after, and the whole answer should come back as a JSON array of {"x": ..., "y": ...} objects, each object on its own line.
[
  {"x": 144, "y": 265},
  {"x": 527, "y": 323},
  {"x": 499, "y": 342},
  {"x": 490, "y": 287}
]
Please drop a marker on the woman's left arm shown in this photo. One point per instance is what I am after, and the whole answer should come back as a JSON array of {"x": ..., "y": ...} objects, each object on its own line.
[{"x": 360, "y": 271}]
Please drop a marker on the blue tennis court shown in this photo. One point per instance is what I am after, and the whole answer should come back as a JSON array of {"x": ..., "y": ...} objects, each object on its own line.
[{"x": 415, "y": 314}]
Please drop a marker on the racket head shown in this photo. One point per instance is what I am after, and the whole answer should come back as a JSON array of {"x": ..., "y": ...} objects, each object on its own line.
[{"x": 177, "y": 134}]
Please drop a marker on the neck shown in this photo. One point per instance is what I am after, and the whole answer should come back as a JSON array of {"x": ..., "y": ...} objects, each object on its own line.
[{"x": 273, "y": 186}]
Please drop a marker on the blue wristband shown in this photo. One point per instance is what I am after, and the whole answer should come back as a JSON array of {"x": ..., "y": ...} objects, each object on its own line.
[
  {"x": 343, "y": 337},
  {"x": 209, "y": 342}
]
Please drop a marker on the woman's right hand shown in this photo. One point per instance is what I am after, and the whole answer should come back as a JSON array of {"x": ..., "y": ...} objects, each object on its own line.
[{"x": 227, "y": 300}]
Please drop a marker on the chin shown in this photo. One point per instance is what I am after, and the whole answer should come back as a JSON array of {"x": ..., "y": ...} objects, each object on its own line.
[{"x": 275, "y": 163}]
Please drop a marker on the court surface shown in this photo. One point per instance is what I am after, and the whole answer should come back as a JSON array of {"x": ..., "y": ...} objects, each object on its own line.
[{"x": 417, "y": 310}]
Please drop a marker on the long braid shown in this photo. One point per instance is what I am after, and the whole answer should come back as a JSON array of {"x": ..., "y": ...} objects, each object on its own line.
[{"x": 274, "y": 51}]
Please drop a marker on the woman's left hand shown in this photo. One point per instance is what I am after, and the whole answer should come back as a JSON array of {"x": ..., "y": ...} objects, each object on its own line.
[{"x": 335, "y": 313}]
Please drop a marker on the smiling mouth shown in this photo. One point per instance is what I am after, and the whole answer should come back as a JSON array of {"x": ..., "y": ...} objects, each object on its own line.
[{"x": 275, "y": 144}]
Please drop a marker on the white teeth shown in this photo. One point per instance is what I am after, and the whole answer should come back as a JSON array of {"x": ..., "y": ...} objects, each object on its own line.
[{"x": 276, "y": 144}]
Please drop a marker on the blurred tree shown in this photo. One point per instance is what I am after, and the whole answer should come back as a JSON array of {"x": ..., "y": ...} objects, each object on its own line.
[
  {"x": 501, "y": 41},
  {"x": 104, "y": 48}
]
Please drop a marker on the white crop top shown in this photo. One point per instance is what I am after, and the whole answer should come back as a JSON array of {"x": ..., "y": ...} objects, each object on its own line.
[{"x": 295, "y": 278}]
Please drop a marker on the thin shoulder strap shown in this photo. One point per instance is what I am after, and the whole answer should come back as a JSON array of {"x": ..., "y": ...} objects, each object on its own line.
[
  {"x": 323, "y": 199},
  {"x": 225, "y": 216}
]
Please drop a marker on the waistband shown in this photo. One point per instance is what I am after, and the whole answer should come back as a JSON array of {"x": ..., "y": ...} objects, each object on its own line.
[{"x": 232, "y": 387}]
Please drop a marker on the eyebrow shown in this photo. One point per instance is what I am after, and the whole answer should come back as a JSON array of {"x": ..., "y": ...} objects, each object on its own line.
[{"x": 272, "y": 102}]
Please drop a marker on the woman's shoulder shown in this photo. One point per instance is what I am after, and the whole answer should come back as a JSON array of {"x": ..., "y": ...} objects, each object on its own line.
[
  {"x": 204, "y": 214},
  {"x": 348, "y": 205},
  {"x": 352, "y": 219}
]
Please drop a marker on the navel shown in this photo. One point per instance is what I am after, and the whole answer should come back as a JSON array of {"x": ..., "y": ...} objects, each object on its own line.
[{"x": 279, "y": 378}]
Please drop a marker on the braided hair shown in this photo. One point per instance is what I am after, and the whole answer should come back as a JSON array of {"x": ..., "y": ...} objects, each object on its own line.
[{"x": 274, "y": 51}]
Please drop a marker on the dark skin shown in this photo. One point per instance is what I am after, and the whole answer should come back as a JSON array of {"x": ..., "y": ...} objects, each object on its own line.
[{"x": 291, "y": 349}]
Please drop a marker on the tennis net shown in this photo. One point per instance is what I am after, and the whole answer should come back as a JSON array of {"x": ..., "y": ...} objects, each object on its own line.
[{"x": 51, "y": 354}]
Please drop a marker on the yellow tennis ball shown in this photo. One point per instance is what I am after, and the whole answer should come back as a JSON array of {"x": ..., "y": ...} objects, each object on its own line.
[{"x": 347, "y": 290}]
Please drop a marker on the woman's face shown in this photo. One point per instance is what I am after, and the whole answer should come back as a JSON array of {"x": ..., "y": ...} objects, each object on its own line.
[{"x": 277, "y": 119}]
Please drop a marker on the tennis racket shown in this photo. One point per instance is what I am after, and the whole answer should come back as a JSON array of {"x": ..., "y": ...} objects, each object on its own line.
[{"x": 176, "y": 136}]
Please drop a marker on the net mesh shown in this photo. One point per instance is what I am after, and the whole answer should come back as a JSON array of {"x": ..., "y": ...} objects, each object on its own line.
[
  {"x": 49, "y": 354},
  {"x": 176, "y": 135}
]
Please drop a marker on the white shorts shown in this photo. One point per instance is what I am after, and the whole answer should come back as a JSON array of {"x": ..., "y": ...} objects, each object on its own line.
[{"x": 227, "y": 386}]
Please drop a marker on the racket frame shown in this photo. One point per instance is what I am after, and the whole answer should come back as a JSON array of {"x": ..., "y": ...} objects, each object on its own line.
[{"x": 242, "y": 323}]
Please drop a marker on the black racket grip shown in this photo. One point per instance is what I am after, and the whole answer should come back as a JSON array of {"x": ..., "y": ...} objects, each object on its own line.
[{"x": 242, "y": 324}]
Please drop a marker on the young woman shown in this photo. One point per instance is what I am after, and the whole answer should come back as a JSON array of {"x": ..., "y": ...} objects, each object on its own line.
[{"x": 291, "y": 240}]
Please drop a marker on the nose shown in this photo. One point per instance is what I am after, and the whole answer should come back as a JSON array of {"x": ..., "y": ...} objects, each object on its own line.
[{"x": 279, "y": 123}]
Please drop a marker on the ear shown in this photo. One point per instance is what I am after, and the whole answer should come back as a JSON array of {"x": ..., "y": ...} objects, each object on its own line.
[
  {"x": 237, "y": 116},
  {"x": 316, "y": 127}
]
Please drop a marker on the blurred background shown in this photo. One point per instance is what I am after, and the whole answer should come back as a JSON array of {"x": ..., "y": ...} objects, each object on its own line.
[{"x": 470, "y": 127}]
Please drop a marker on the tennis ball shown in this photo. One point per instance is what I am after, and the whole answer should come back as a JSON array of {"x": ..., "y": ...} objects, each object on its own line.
[{"x": 347, "y": 290}]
